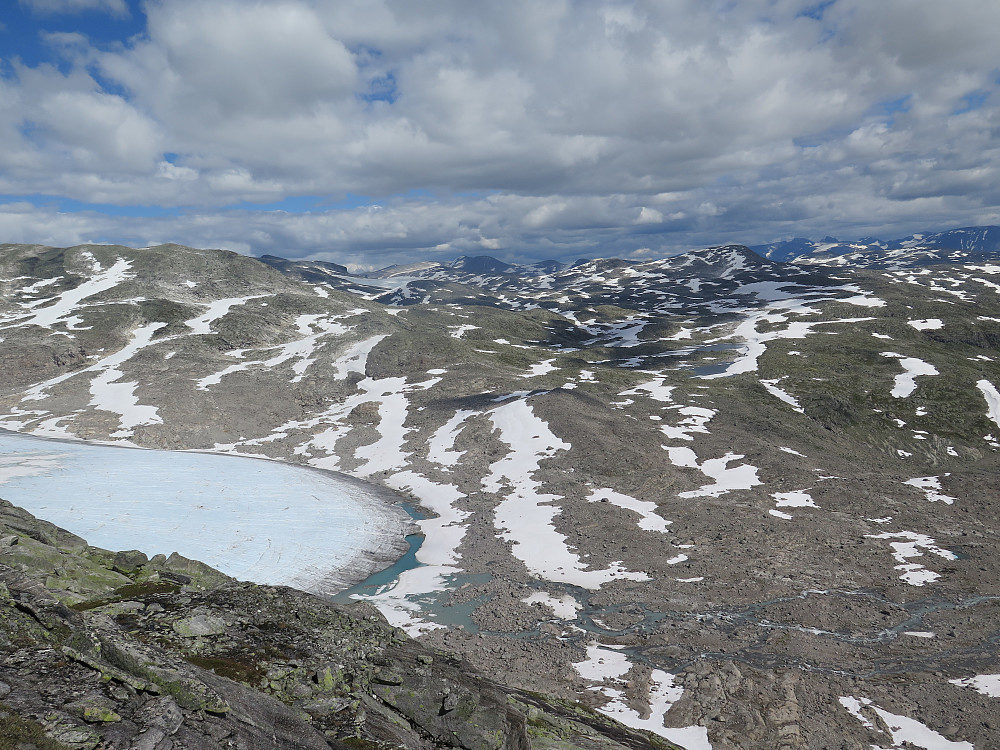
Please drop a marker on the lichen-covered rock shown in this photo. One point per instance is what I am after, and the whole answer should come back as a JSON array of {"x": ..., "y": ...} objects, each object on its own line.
[{"x": 178, "y": 655}]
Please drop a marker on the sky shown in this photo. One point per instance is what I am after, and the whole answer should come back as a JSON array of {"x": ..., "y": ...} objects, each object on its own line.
[{"x": 372, "y": 132}]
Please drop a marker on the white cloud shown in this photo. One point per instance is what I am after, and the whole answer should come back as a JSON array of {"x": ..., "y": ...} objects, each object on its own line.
[{"x": 586, "y": 123}]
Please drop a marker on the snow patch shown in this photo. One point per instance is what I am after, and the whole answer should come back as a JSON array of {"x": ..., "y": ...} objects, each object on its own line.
[
  {"x": 65, "y": 303},
  {"x": 649, "y": 519},
  {"x": 931, "y": 487},
  {"x": 795, "y": 499},
  {"x": 774, "y": 390},
  {"x": 695, "y": 419},
  {"x": 909, "y": 546},
  {"x": 459, "y": 331},
  {"x": 905, "y": 384},
  {"x": 987, "y": 684},
  {"x": 438, "y": 554},
  {"x": 217, "y": 309},
  {"x": 355, "y": 358},
  {"x": 541, "y": 368},
  {"x": 655, "y": 389},
  {"x": 608, "y": 667},
  {"x": 442, "y": 442},
  {"x": 525, "y": 517},
  {"x": 119, "y": 398},
  {"x": 565, "y": 607},
  {"x": 727, "y": 478},
  {"x": 902, "y": 729},
  {"x": 302, "y": 352},
  {"x": 992, "y": 397}
]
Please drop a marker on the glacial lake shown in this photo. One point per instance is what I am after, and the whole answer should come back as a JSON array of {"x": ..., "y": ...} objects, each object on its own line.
[{"x": 253, "y": 519}]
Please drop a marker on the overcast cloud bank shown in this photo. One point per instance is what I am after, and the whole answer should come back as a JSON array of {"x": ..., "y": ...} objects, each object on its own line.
[{"x": 375, "y": 131}]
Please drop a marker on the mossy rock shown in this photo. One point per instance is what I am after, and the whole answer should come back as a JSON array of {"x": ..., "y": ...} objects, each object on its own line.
[{"x": 17, "y": 733}]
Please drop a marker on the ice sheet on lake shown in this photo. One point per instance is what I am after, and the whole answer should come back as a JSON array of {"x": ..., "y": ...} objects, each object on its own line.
[
  {"x": 14, "y": 466},
  {"x": 902, "y": 729},
  {"x": 930, "y": 324},
  {"x": 525, "y": 516},
  {"x": 255, "y": 520}
]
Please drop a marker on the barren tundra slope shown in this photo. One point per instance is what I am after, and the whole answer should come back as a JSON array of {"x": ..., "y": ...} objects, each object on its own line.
[{"x": 735, "y": 502}]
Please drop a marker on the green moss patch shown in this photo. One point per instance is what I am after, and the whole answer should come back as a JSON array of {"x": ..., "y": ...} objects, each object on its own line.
[{"x": 17, "y": 733}]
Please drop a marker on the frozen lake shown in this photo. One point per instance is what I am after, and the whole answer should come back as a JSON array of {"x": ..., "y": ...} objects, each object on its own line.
[{"x": 253, "y": 519}]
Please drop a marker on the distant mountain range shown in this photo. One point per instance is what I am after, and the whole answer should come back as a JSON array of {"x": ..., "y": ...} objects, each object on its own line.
[{"x": 952, "y": 246}]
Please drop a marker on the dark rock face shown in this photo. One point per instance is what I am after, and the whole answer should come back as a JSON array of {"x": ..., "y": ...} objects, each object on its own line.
[{"x": 149, "y": 663}]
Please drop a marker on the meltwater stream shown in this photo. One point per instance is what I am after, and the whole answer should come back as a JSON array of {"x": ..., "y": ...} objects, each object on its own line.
[{"x": 253, "y": 519}]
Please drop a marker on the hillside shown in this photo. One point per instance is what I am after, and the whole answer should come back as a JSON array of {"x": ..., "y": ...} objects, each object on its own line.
[{"x": 737, "y": 502}]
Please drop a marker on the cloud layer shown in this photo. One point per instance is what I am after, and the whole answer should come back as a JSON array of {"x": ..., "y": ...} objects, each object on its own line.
[{"x": 526, "y": 129}]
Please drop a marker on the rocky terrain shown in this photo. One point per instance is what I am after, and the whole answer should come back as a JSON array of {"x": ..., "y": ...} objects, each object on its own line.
[
  {"x": 117, "y": 650},
  {"x": 732, "y": 501}
]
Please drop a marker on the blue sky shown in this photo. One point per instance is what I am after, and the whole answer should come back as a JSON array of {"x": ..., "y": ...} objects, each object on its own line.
[{"x": 371, "y": 132}]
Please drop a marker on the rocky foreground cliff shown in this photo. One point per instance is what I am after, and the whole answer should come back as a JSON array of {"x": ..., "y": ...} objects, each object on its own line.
[{"x": 108, "y": 650}]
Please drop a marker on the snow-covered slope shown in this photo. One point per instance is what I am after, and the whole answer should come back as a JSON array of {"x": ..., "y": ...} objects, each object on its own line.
[{"x": 714, "y": 494}]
